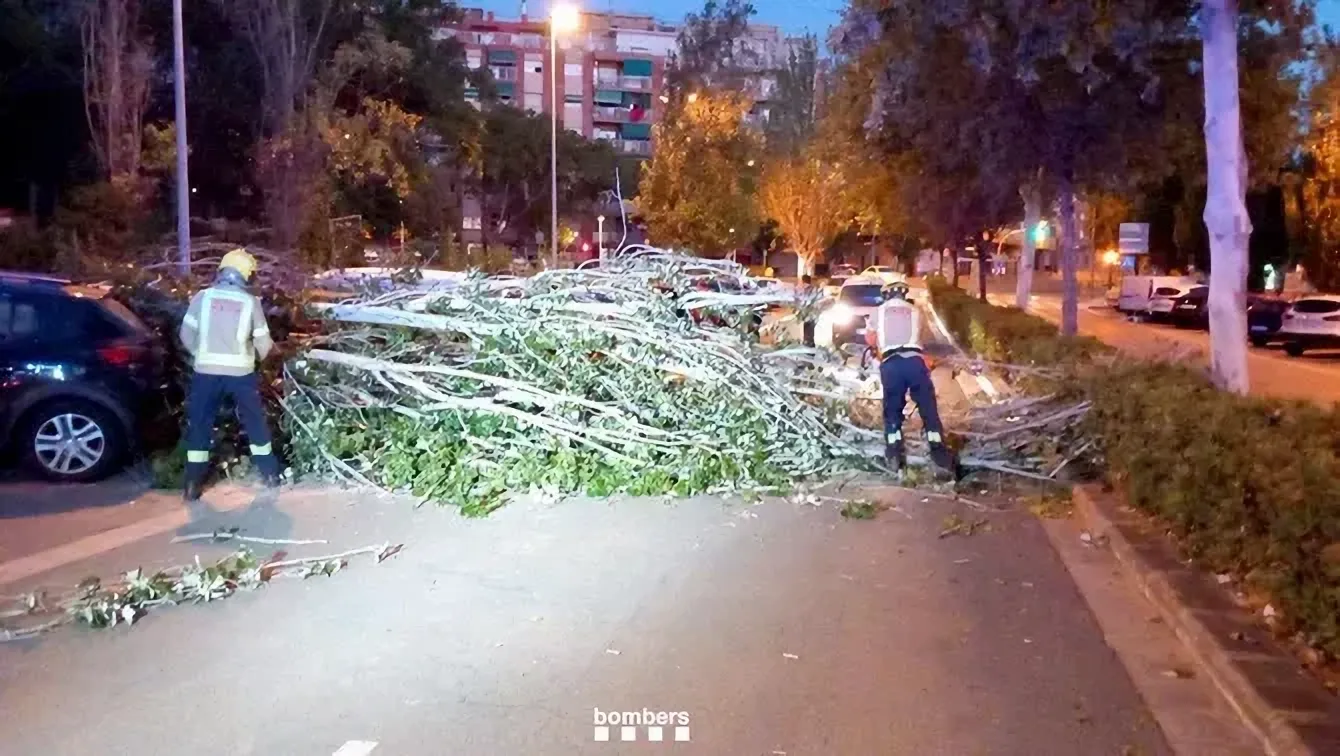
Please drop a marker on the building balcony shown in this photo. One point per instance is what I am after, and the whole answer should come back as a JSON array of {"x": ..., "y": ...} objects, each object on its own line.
[
  {"x": 632, "y": 146},
  {"x": 623, "y": 83},
  {"x": 503, "y": 73},
  {"x": 609, "y": 114}
]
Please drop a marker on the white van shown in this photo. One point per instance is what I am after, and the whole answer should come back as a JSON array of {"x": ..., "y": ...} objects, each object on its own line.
[{"x": 1152, "y": 295}]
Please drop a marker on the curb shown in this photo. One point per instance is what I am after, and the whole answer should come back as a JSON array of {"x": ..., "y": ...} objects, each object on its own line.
[{"x": 1275, "y": 727}]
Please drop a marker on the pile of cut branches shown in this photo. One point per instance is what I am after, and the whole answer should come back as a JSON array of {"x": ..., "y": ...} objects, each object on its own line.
[
  {"x": 1031, "y": 437},
  {"x": 643, "y": 376}
]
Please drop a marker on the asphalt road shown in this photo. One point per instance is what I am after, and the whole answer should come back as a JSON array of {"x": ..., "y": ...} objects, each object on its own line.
[
  {"x": 776, "y": 628},
  {"x": 1314, "y": 377}
]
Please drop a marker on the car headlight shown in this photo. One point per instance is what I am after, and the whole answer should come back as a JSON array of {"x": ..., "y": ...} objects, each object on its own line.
[{"x": 843, "y": 314}]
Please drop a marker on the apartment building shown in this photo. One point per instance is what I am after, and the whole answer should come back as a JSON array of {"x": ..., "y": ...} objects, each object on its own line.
[
  {"x": 612, "y": 75},
  {"x": 612, "y": 70}
]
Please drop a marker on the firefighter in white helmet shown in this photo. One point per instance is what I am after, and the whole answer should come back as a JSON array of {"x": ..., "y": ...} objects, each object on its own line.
[
  {"x": 895, "y": 334},
  {"x": 226, "y": 333}
]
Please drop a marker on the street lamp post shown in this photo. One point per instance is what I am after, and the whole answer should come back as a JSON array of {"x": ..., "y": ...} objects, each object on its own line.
[
  {"x": 562, "y": 18},
  {"x": 183, "y": 179},
  {"x": 600, "y": 238}
]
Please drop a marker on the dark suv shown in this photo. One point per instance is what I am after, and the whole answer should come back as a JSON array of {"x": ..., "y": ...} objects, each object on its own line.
[{"x": 76, "y": 370}]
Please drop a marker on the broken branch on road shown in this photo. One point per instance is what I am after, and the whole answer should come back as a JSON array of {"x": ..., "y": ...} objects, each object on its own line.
[{"x": 125, "y": 601}]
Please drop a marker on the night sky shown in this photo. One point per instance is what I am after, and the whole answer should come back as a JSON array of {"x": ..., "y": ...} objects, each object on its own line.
[{"x": 794, "y": 16}]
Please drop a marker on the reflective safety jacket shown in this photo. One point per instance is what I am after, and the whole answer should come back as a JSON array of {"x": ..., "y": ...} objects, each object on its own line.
[
  {"x": 225, "y": 330},
  {"x": 897, "y": 327}
]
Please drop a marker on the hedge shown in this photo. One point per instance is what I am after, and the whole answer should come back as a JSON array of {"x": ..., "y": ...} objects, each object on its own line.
[{"x": 1248, "y": 486}]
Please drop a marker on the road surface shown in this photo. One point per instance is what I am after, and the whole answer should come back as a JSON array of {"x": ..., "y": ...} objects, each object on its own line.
[
  {"x": 1314, "y": 377},
  {"x": 776, "y": 628}
]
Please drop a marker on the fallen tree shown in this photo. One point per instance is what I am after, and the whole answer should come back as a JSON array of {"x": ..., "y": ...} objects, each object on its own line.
[{"x": 642, "y": 377}]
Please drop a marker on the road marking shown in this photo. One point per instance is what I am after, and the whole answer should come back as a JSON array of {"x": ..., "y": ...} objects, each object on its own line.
[
  {"x": 356, "y": 748},
  {"x": 91, "y": 546}
]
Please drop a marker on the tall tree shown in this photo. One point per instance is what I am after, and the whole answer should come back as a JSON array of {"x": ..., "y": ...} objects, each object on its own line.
[
  {"x": 117, "y": 67},
  {"x": 1020, "y": 87},
  {"x": 1225, "y": 206},
  {"x": 511, "y": 176},
  {"x": 809, "y": 199},
  {"x": 287, "y": 38},
  {"x": 795, "y": 112},
  {"x": 709, "y": 53},
  {"x": 697, "y": 191}
]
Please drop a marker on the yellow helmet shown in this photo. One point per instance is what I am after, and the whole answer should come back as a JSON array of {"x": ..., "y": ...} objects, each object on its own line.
[{"x": 241, "y": 261}]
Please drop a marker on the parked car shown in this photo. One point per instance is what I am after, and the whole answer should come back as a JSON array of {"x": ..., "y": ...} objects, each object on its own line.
[
  {"x": 76, "y": 370},
  {"x": 1152, "y": 295},
  {"x": 1311, "y": 322},
  {"x": 1265, "y": 316},
  {"x": 884, "y": 273},
  {"x": 1191, "y": 310},
  {"x": 845, "y": 321},
  {"x": 838, "y": 276}
]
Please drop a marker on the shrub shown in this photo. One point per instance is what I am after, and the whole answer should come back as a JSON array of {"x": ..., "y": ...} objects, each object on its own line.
[
  {"x": 1247, "y": 485},
  {"x": 1005, "y": 334}
]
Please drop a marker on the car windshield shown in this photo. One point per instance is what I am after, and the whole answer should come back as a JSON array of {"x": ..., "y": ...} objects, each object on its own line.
[
  {"x": 1199, "y": 292},
  {"x": 881, "y": 268},
  {"x": 1167, "y": 291},
  {"x": 862, "y": 295},
  {"x": 1316, "y": 306}
]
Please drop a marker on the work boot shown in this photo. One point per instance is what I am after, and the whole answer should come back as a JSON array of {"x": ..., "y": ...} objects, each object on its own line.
[
  {"x": 194, "y": 483},
  {"x": 942, "y": 459},
  {"x": 895, "y": 456}
]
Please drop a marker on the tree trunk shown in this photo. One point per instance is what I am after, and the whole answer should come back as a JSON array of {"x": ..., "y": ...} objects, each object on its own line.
[
  {"x": 1069, "y": 261},
  {"x": 953, "y": 266},
  {"x": 982, "y": 257},
  {"x": 1225, "y": 206},
  {"x": 1023, "y": 287}
]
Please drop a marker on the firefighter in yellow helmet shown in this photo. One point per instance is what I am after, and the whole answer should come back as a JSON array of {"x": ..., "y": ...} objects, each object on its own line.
[{"x": 226, "y": 333}]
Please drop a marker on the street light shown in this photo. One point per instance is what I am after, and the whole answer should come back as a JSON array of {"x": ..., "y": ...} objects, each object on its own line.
[
  {"x": 562, "y": 19},
  {"x": 1110, "y": 259},
  {"x": 183, "y": 181},
  {"x": 600, "y": 237}
]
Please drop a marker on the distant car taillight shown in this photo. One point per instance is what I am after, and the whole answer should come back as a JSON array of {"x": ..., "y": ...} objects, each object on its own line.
[{"x": 121, "y": 354}]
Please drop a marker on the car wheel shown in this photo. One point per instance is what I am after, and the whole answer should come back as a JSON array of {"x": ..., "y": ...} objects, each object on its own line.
[
  {"x": 73, "y": 441},
  {"x": 1294, "y": 349},
  {"x": 1260, "y": 341}
]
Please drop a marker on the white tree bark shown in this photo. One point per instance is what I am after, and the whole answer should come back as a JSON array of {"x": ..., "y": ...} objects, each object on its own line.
[
  {"x": 117, "y": 68},
  {"x": 1069, "y": 261},
  {"x": 1023, "y": 288},
  {"x": 1226, "y": 216}
]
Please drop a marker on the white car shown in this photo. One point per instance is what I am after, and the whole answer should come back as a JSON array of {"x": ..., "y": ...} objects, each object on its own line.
[
  {"x": 1164, "y": 298},
  {"x": 884, "y": 273},
  {"x": 1312, "y": 321},
  {"x": 844, "y": 322}
]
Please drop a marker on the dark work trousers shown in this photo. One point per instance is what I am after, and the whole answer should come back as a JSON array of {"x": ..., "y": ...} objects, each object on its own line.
[
  {"x": 900, "y": 375},
  {"x": 203, "y": 401},
  {"x": 809, "y": 333}
]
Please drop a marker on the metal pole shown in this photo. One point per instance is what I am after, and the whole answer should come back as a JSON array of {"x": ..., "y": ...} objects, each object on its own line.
[
  {"x": 183, "y": 177},
  {"x": 553, "y": 142}
]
